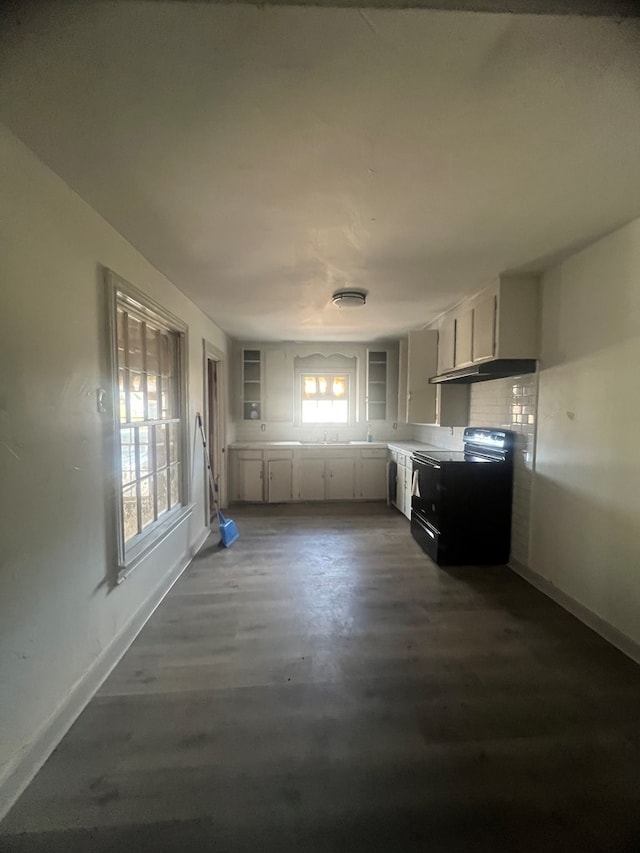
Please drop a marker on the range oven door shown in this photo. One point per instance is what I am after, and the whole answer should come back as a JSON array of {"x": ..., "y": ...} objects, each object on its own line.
[
  {"x": 427, "y": 492},
  {"x": 426, "y": 536}
]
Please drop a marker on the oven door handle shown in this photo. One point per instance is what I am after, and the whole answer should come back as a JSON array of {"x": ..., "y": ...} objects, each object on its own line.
[
  {"x": 415, "y": 485},
  {"x": 424, "y": 526},
  {"x": 428, "y": 462}
]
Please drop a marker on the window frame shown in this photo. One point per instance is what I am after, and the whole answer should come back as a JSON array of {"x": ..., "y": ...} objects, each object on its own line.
[{"x": 121, "y": 292}]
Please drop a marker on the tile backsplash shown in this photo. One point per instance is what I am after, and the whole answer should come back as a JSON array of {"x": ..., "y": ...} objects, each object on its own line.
[{"x": 510, "y": 404}]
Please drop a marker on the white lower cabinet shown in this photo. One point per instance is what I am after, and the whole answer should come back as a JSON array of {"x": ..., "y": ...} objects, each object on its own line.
[
  {"x": 408, "y": 482},
  {"x": 310, "y": 479},
  {"x": 373, "y": 474},
  {"x": 249, "y": 476},
  {"x": 400, "y": 475},
  {"x": 340, "y": 479},
  {"x": 312, "y": 474},
  {"x": 326, "y": 479},
  {"x": 404, "y": 473},
  {"x": 279, "y": 474}
]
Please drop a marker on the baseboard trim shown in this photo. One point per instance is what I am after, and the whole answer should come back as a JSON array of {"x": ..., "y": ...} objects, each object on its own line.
[
  {"x": 20, "y": 773},
  {"x": 621, "y": 641}
]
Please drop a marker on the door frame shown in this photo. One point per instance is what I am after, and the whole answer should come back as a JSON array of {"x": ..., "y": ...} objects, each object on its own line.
[{"x": 217, "y": 447}]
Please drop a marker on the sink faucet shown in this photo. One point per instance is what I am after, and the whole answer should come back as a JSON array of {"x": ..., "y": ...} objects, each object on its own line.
[{"x": 324, "y": 437}]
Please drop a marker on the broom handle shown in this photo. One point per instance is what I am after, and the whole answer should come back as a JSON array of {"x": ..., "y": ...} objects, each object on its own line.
[{"x": 208, "y": 460}]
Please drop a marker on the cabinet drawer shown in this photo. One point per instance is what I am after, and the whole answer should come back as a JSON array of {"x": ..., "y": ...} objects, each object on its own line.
[
  {"x": 374, "y": 453},
  {"x": 275, "y": 455},
  {"x": 249, "y": 454}
]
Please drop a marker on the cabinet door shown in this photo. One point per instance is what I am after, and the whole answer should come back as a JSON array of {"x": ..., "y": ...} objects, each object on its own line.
[
  {"x": 279, "y": 480},
  {"x": 464, "y": 338},
  {"x": 484, "y": 328},
  {"x": 373, "y": 479},
  {"x": 446, "y": 345},
  {"x": 278, "y": 374},
  {"x": 250, "y": 480},
  {"x": 408, "y": 482},
  {"x": 400, "y": 475},
  {"x": 311, "y": 475},
  {"x": 453, "y": 405},
  {"x": 377, "y": 370},
  {"x": 423, "y": 363},
  {"x": 251, "y": 384},
  {"x": 403, "y": 365},
  {"x": 340, "y": 480}
]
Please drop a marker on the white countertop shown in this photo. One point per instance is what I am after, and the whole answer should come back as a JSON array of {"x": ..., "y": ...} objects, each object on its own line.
[
  {"x": 402, "y": 446},
  {"x": 302, "y": 445},
  {"x": 410, "y": 446}
]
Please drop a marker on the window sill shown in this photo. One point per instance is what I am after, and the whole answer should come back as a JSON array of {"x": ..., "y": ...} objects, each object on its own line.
[{"x": 148, "y": 542}]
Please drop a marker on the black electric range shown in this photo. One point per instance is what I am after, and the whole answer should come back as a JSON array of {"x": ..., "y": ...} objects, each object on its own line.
[{"x": 461, "y": 500}]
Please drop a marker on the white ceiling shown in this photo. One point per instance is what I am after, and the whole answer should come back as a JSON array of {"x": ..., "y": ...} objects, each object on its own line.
[{"x": 263, "y": 157}]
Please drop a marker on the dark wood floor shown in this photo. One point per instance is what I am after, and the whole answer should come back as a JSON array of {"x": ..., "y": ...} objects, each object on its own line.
[{"x": 322, "y": 686}]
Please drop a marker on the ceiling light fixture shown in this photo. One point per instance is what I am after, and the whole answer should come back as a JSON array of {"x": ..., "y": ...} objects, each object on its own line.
[{"x": 349, "y": 298}]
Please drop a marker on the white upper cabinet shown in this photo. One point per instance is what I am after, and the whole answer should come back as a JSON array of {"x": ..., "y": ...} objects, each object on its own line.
[
  {"x": 422, "y": 363},
  {"x": 517, "y": 310},
  {"x": 500, "y": 322},
  {"x": 426, "y": 403},
  {"x": 278, "y": 369},
  {"x": 484, "y": 327},
  {"x": 403, "y": 362},
  {"x": 463, "y": 350},
  {"x": 251, "y": 384},
  {"x": 447, "y": 345},
  {"x": 377, "y": 375}
]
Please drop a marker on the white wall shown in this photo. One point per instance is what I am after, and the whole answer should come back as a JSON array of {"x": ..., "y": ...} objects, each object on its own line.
[
  {"x": 57, "y": 614},
  {"x": 586, "y": 497}
]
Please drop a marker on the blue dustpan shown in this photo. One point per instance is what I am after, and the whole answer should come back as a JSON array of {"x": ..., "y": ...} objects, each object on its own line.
[{"x": 228, "y": 530}]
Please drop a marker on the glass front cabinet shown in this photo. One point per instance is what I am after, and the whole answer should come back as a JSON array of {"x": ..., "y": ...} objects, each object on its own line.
[
  {"x": 251, "y": 384},
  {"x": 377, "y": 376}
]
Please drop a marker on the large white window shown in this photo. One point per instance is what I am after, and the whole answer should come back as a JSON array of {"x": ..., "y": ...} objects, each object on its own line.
[
  {"x": 325, "y": 389},
  {"x": 325, "y": 398},
  {"x": 148, "y": 368}
]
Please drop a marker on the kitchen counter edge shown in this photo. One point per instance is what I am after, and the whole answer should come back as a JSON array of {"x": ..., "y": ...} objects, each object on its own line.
[{"x": 402, "y": 446}]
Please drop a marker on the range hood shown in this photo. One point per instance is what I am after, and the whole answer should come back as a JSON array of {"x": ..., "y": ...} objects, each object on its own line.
[{"x": 499, "y": 368}]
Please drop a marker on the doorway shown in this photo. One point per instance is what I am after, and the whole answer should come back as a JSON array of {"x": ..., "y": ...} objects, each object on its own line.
[{"x": 214, "y": 427}]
